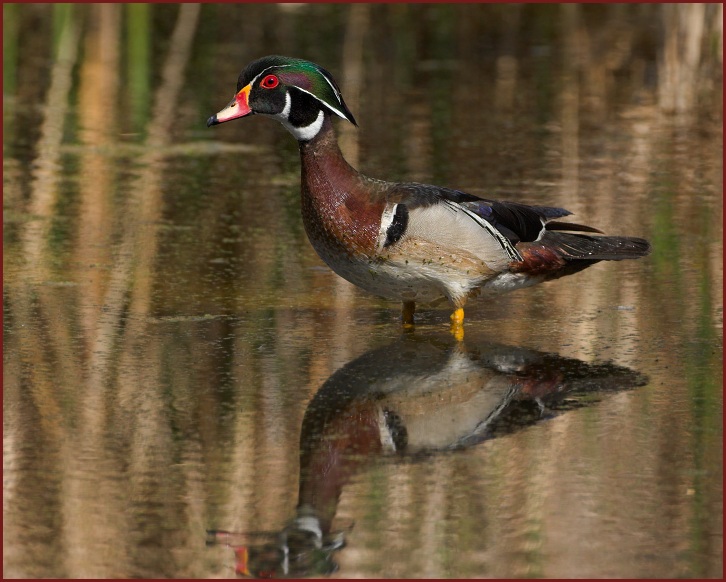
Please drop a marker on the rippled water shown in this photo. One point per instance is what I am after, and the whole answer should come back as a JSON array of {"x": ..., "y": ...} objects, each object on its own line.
[{"x": 186, "y": 383}]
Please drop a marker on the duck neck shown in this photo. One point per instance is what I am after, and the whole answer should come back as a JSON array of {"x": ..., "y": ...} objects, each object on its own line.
[
  {"x": 323, "y": 164},
  {"x": 337, "y": 201}
]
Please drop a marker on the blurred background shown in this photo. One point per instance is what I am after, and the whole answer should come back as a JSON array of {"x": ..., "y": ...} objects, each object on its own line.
[{"x": 166, "y": 322}]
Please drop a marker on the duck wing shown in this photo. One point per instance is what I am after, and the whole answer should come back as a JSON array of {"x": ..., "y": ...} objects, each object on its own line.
[
  {"x": 517, "y": 222},
  {"x": 456, "y": 219},
  {"x": 519, "y": 230}
]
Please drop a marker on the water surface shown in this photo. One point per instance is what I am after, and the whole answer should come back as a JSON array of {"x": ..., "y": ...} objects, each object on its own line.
[{"x": 177, "y": 359}]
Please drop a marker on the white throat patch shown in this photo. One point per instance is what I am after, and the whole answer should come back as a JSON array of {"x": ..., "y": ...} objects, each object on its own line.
[
  {"x": 301, "y": 133},
  {"x": 309, "y": 131}
]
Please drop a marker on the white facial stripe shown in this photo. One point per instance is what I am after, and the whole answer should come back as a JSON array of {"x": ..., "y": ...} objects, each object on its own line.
[
  {"x": 337, "y": 112},
  {"x": 285, "y": 113},
  {"x": 304, "y": 133},
  {"x": 335, "y": 91}
]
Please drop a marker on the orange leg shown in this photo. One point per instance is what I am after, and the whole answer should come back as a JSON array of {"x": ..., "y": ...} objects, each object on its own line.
[
  {"x": 457, "y": 323},
  {"x": 409, "y": 308}
]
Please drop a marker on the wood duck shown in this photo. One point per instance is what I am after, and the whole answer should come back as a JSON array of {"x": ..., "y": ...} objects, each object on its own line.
[{"x": 416, "y": 243}]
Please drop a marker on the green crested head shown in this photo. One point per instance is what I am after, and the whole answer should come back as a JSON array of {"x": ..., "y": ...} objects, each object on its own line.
[
  {"x": 299, "y": 74},
  {"x": 298, "y": 93}
]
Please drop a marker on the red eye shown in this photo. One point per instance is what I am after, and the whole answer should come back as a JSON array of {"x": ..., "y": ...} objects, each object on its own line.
[{"x": 270, "y": 82}]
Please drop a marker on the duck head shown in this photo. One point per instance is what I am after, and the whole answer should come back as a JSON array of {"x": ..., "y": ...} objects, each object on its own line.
[{"x": 296, "y": 92}]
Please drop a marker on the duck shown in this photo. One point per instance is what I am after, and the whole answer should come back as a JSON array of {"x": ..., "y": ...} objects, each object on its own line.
[{"x": 407, "y": 241}]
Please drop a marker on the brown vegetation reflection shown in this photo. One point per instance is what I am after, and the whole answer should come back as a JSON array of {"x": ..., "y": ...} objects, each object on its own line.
[{"x": 166, "y": 322}]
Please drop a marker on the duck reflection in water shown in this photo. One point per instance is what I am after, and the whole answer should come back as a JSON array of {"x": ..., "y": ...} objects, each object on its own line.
[{"x": 408, "y": 400}]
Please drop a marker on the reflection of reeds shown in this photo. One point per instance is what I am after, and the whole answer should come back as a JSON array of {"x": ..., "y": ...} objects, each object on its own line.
[
  {"x": 130, "y": 268},
  {"x": 22, "y": 293},
  {"x": 131, "y": 284},
  {"x": 45, "y": 356},
  {"x": 153, "y": 430},
  {"x": 352, "y": 82},
  {"x": 10, "y": 48},
  {"x": 98, "y": 101},
  {"x": 46, "y": 170},
  {"x": 570, "y": 103},
  {"x": 684, "y": 28},
  {"x": 130, "y": 275},
  {"x": 139, "y": 61}
]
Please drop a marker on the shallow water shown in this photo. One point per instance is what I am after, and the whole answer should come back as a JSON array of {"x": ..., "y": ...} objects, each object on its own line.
[{"x": 179, "y": 362}]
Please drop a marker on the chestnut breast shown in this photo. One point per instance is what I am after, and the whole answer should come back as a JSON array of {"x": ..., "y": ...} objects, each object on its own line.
[{"x": 341, "y": 209}]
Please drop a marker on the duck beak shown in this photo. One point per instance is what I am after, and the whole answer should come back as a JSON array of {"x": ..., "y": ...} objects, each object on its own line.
[{"x": 238, "y": 107}]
